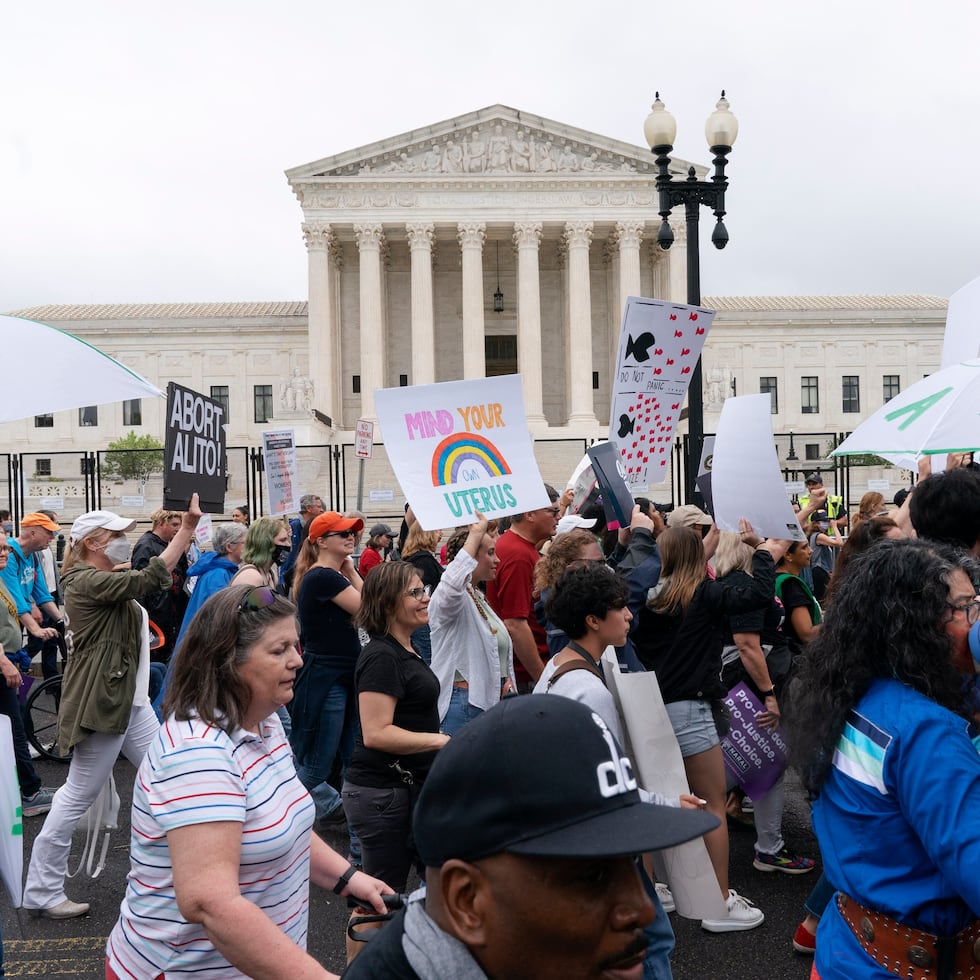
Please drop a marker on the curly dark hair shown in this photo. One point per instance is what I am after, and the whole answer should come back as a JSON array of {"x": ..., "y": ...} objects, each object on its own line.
[
  {"x": 587, "y": 590},
  {"x": 887, "y": 620},
  {"x": 946, "y": 507},
  {"x": 862, "y": 537}
]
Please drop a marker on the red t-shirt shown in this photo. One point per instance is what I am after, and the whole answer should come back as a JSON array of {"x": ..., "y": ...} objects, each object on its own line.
[
  {"x": 369, "y": 559},
  {"x": 511, "y": 592}
]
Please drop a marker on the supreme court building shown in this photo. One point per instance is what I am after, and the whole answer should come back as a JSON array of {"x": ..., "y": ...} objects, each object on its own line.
[{"x": 492, "y": 243}]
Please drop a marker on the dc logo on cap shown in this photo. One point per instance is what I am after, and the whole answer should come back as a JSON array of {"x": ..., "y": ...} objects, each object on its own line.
[{"x": 615, "y": 776}]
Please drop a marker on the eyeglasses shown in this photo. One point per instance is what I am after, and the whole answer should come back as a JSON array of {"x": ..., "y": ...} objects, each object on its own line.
[
  {"x": 259, "y": 597},
  {"x": 341, "y": 534},
  {"x": 423, "y": 592},
  {"x": 970, "y": 609},
  {"x": 554, "y": 511}
]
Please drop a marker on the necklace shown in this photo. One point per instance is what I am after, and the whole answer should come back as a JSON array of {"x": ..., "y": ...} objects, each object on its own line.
[{"x": 480, "y": 609}]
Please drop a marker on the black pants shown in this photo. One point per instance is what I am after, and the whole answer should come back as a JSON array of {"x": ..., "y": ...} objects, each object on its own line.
[{"x": 30, "y": 782}]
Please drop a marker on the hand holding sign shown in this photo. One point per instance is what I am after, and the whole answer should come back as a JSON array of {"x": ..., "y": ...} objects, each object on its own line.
[{"x": 192, "y": 515}]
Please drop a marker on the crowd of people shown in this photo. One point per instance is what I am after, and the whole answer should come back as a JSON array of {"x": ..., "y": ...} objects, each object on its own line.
[{"x": 407, "y": 693}]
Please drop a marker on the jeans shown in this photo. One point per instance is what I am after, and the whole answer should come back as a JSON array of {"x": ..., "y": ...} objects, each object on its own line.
[
  {"x": 382, "y": 820},
  {"x": 91, "y": 763},
  {"x": 47, "y": 648},
  {"x": 818, "y": 900},
  {"x": 27, "y": 775},
  {"x": 660, "y": 934},
  {"x": 422, "y": 643},
  {"x": 324, "y": 722},
  {"x": 460, "y": 711}
]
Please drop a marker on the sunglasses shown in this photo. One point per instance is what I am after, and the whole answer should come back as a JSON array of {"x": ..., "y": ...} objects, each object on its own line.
[
  {"x": 259, "y": 597},
  {"x": 340, "y": 534},
  {"x": 424, "y": 591}
]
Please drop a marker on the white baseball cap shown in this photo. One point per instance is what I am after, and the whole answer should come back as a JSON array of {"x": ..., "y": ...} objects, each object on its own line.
[
  {"x": 95, "y": 520},
  {"x": 572, "y": 521}
]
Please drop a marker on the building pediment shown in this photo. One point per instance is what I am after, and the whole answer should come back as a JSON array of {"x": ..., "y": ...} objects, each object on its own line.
[{"x": 491, "y": 143}]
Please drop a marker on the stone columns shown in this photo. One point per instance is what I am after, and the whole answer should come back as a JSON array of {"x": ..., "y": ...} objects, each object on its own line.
[
  {"x": 677, "y": 264},
  {"x": 471, "y": 237},
  {"x": 369, "y": 241},
  {"x": 527, "y": 237},
  {"x": 578, "y": 236},
  {"x": 629, "y": 235},
  {"x": 660, "y": 269},
  {"x": 324, "y": 367},
  {"x": 420, "y": 240}
]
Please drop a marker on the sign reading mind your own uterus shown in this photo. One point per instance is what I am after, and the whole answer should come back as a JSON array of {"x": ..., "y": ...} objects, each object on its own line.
[{"x": 461, "y": 447}]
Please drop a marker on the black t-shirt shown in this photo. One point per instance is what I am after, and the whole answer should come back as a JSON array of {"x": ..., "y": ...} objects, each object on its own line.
[
  {"x": 428, "y": 567},
  {"x": 794, "y": 595},
  {"x": 386, "y": 667},
  {"x": 766, "y": 622},
  {"x": 684, "y": 649},
  {"x": 326, "y": 631}
]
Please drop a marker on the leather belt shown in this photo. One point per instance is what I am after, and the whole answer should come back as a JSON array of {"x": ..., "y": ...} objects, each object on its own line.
[{"x": 911, "y": 953}]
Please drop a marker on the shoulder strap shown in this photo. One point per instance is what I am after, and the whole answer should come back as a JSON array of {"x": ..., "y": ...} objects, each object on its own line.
[{"x": 566, "y": 668}]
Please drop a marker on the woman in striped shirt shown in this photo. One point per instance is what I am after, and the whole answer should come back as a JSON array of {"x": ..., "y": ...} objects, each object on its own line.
[{"x": 222, "y": 852}]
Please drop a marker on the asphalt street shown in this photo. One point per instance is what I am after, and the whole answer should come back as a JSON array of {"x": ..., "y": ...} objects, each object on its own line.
[{"x": 76, "y": 948}]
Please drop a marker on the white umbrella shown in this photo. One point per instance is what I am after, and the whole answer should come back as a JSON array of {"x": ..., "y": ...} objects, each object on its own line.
[
  {"x": 939, "y": 414},
  {"x": 11, "y": 821},
  {"x": 65, "y": 373}
]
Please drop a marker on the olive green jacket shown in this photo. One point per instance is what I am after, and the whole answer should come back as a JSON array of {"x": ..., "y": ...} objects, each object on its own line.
[{"x": 103, "y": 636}]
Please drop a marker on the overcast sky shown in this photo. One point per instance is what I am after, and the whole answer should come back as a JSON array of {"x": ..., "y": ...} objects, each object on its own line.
[{"x": 142, "y": 146}]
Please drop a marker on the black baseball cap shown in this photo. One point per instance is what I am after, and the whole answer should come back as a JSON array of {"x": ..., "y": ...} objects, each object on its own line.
[
  {"x": 814, "y": 478},
  {"x": 541, "y": 775}
]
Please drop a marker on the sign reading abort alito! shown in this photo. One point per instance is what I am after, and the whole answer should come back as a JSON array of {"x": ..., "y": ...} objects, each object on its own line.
[{"x": 195, "y": 451}]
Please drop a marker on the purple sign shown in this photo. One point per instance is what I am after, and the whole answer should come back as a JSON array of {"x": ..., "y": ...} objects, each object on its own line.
[{"x": 754, "y": 756}]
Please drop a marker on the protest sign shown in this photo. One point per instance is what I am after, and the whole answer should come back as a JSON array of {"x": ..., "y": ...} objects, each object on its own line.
[
  {"x": 617, "y": 501},
  {"x": 281, "y": 479},
  {"x": 755, "y": 756},
  {"x": 11, "y": 821},
  {"x": 461, "y": 447},
  {"x": 659, "y": 768},
  {"x": 659, "y": 345},
  {"x": 194, "y": 454},
  {"x": 745, "y": 477}
]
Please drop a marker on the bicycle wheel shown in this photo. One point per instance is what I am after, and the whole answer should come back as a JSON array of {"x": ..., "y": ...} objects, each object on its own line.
[{"x": 41, "y": 718}]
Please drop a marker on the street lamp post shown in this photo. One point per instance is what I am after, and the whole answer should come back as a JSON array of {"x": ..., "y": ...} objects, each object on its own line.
[{"x": 720, "y": 131}]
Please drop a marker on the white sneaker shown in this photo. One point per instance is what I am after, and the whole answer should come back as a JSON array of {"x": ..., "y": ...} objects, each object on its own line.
[
  {"x": 34, "y": 752},
  {"x": 742, "y": 915},
  {"x": 666, "y": 899}
]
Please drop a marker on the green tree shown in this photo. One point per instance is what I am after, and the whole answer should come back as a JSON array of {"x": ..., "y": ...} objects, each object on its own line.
[{"x": 133, "y": 457}]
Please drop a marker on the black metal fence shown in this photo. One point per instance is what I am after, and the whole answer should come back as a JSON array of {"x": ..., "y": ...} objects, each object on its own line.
[{"x": 71, "y": 483}]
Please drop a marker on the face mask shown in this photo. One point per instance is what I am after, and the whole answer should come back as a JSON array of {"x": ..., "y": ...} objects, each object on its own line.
[
  {"x": 117, "y": 551},
  {"x": 281, "y": 553}
]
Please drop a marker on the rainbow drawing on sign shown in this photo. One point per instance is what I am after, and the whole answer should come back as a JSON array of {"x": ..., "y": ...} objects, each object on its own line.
[{"x": 457, "y": 452}]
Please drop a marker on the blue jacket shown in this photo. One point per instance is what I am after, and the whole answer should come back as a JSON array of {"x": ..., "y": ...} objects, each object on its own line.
[{"x": 213, "y": 572}]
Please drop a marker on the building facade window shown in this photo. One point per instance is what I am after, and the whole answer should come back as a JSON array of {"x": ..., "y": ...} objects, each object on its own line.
[
  {"x": 262, "y": 399},
  {"x": 850, "y": 393},
  {"x": 133, "y": 411},
  {"x": 219, "y": 394},
  {"x": 88, "y": 415},
  {"x": 891, "y": 385},
  {"x": 42, "y": 467},
  {"x": 44, "y": 421},
  {"x": 768, "y": 386},
  {"x": 500, "y": 351},
  {"x": 85, "y": 466},
  {"x": 811, "y": 450},
  {"x": 809, "y": 395},
  {"x": 356, "y": 384}
]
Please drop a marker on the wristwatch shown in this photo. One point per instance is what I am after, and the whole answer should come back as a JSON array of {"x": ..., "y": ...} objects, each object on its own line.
[
  {"x": 344, "y": 880},
  {"x": 771, "y": 693}
]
